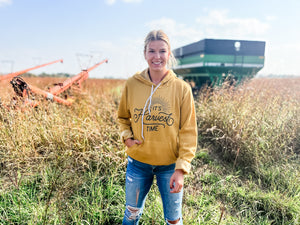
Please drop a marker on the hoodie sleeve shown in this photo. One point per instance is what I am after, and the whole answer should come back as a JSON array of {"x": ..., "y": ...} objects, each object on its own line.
[
  {"x": 187, "y": 132},
  {"x": 124, "y": 116}
]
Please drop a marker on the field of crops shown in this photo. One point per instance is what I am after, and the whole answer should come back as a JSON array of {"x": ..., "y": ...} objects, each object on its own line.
[{"x": 66, "y": 164}]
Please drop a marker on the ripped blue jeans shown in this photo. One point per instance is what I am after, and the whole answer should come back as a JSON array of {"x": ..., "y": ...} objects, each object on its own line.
[{"x": 139, "y": 178}]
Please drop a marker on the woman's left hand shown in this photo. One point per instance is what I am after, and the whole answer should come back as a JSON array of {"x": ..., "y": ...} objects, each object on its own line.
[{"x": 176, "y": 181}]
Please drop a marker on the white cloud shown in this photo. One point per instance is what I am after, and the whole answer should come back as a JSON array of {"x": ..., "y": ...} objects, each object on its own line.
[
  {"x": 110, "y": 2},
  {"x": 5, "y": 2},
  {"x": 271, "y": 18},
  {"x": 219, "y": 23},
  {"x": 178, "y": 33},
  {"x": 213, "y": 24}
]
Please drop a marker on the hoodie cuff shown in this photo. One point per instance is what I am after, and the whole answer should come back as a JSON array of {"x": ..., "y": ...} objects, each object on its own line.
[
  {"x": 126, "y": 134},
  {"x": 183, "y": 165}
]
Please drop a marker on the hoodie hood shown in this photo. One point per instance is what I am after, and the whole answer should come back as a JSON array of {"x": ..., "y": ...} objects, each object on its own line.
[{"x": 144, "y": 77}]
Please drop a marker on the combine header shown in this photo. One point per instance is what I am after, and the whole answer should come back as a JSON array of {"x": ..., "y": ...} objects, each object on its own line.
[{"x": 211, "y": 61}]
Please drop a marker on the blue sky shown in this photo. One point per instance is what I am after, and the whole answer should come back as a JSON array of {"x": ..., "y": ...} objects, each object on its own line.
[{"x": 83, "y": 32}]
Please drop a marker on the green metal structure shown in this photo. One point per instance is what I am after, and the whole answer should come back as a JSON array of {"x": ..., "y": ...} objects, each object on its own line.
[{"x": 211, "y": 61}]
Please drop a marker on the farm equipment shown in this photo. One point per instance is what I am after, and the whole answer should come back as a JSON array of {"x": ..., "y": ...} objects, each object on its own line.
[
  {"x": 212, "y": 61},
  {"x": 25, "y": 90},
  {"x": 78, "y": 79},
  {"x": 12, "y": 75}
]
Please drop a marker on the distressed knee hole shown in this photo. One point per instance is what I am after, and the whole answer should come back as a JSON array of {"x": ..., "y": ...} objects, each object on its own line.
[
  {"x": 134, "y": 212},
  {"x": 173, "y": 221}
]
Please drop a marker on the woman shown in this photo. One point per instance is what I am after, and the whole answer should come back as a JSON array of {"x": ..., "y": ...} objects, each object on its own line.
[{"x": 158, "y": 125}]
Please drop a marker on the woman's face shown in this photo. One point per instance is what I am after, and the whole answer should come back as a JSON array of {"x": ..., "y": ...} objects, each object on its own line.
[{"x": 157, "y": 55}]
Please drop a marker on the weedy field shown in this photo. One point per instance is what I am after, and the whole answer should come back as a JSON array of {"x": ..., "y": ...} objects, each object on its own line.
[{"x": 66, "y": 165}]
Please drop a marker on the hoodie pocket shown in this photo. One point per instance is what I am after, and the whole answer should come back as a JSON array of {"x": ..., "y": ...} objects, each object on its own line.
[{"x": 162, "y": 153}]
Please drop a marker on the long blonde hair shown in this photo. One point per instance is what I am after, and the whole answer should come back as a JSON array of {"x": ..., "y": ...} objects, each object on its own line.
[{"x": 159, "y": 35}]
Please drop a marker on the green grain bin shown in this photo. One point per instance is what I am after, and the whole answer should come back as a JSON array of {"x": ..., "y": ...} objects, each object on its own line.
[{"x": 211, "y": 61}]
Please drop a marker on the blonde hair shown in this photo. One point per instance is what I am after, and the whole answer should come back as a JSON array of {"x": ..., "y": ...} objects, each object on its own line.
[{"x": 159, "y": 35}]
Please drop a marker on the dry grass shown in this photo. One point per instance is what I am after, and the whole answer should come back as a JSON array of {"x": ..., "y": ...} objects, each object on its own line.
[
  {"x": 30, "y": 138},
  {"x": 66, "y": 165},
  {"x": 254, "y": 124}
]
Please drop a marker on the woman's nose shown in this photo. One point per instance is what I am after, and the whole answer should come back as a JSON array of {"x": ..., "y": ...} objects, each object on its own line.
[{"x": 157, "y": 55}]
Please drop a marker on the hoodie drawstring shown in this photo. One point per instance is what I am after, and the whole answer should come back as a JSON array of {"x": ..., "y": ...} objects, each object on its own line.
[{"x": 149, "y": 107}]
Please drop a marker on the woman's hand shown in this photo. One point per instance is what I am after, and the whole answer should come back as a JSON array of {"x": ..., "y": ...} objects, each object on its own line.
[
  {"x": 129, "y": 142},
  {"x": 176, "y": 181}
]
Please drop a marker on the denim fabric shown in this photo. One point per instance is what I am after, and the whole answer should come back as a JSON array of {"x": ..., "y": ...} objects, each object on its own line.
[{"x": 139, "y": 178}]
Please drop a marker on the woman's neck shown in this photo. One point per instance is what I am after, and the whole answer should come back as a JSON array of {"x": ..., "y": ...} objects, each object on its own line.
[{"x": 157, "y": 77}]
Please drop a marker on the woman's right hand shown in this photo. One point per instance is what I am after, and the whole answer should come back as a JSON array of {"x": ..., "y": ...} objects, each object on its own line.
[{"x": 129, "y": 142}]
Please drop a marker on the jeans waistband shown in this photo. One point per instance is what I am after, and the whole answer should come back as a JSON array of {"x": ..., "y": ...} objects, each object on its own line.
[{"x": 152, "y": 167}]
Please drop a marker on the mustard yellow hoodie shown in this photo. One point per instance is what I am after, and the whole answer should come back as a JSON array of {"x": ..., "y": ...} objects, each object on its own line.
[{"x": 169, "y": 130}]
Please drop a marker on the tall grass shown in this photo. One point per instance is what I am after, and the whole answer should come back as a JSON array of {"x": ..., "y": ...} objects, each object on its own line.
[
  {"x": 252, "y": 133},
  {"x": 249, "y": 125},
  {"x": 66, "y": 165},
  {"x": 57, "y": 151}
]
